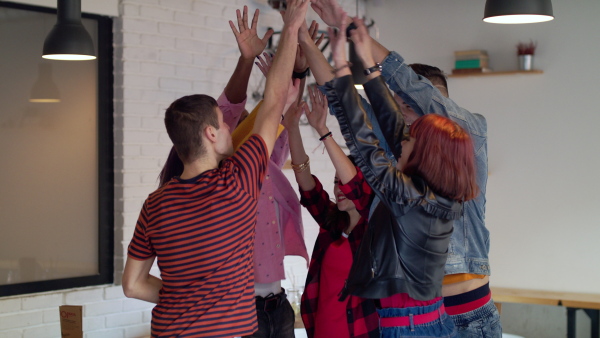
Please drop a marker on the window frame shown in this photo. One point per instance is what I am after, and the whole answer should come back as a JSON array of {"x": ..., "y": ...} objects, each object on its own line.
[{"x": 105, "y": 149}]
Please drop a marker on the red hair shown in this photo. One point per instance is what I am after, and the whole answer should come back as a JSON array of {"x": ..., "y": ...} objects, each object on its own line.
[{"x": 443, "y": 156}]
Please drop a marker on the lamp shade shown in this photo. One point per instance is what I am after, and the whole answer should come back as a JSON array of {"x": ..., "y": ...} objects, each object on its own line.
[
  {"x": 68, "y": 39},
  {"x": 517, "y": 11},
  {"x": 44, "y": 90}
]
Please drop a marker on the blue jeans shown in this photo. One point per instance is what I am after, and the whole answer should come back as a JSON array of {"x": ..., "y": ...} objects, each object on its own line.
[
  {"x": 479, "y": 323},
  {"x": 441, "y": 327},
  {"x": 275, "y": 323}
]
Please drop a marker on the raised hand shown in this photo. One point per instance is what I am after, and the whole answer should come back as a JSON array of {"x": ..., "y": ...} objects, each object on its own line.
[
  {"x": 313, "y": 31},
  {"x": 295, "y": 13},
  {"x": 329, "y": 11},
  {"x": 338, "y": 43},
  {"x": 249, "y": 43},
  {"x": 264, "y": 62},
  {"x": 292, "y": 94},
  {"x": 317, "y": 115},
  {"x": 311, "y": 34},
  {"x": 362, "y": 42},
  {"x": 292, "y": 116}
]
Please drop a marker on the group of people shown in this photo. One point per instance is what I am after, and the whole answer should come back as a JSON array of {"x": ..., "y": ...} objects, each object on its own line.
[{"x": 403, "y": 250}]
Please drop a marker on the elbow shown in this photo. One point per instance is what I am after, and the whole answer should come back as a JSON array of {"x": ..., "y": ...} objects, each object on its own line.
[
  {"x": 128, "y": 290},
  {"x": 128, "y": 287}
]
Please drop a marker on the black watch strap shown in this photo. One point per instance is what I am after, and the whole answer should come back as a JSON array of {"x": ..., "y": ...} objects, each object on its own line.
[{"x": 373, "y": 69}]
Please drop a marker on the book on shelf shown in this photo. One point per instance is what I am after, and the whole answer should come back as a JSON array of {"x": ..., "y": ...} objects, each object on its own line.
[
  {"x": 471, "y": 71},
  {"x": 472, "y": 63},
  {"x": 470, "y": 54}
]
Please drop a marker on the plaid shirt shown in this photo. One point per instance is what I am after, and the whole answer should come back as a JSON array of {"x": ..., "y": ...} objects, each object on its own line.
[{"x": 362, "y": 317}]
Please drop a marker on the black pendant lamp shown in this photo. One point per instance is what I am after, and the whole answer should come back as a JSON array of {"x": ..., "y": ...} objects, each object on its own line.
[
  {"x": 68, "y": 39},
  {"x": 517, "y": 11}
]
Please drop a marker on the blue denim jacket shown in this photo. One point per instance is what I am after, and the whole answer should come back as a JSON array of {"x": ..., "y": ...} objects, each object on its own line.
[{"x": 470, "y": 241}]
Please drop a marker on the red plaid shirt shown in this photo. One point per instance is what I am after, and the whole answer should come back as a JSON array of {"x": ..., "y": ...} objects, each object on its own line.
[{"x": 362, "y": 317}]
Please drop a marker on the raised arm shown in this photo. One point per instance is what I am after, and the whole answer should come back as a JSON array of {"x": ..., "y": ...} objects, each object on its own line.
[
  {"x": 250, "y": 46},
  {"x": 233, "y": 99},
  {"x": 317, "y": 116},
  {"x": 382, "y": 176},
  {"x": 321, "y": 69},
  {"x": 278, "y": 78},
  {"x": 300, "y": 161}
]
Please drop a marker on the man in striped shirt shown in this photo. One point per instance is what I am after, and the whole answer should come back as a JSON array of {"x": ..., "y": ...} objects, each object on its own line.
[{"x": 200, "y": 226}]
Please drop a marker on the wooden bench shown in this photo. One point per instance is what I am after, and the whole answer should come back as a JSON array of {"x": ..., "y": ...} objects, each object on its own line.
[{"x": 589, "y": 303}]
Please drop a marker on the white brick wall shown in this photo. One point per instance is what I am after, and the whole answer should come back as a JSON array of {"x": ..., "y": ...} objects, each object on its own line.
[{"x": 164, "y": 49}]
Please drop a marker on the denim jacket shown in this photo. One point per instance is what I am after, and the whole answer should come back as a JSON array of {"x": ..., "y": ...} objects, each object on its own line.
[{"x": 470, "y": 241}]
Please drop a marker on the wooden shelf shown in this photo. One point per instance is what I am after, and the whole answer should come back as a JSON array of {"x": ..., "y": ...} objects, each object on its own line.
[{"x": 510, "y": 72}]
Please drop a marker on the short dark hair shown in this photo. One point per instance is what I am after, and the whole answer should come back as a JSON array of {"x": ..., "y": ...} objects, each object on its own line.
[
  {"x": 185, "y": 118},
  {"x": 433, "y": 74}
]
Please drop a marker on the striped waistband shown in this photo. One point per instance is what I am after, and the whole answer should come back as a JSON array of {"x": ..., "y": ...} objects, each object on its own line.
[
  {"x": 468, "y": 301},
  {"x": 412, "y": 319}
]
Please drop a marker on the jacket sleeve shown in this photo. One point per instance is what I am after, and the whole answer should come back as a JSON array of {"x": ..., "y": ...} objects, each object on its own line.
[
  {"x": 387, "y": 113},
  {"x": 379, "y": 171},
  {"x": 425, "y": 98}
]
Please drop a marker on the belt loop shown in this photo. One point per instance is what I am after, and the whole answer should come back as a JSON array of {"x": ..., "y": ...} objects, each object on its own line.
[
  {"x": 439, "y": 310},
  {"x": 412, "y": 323}
]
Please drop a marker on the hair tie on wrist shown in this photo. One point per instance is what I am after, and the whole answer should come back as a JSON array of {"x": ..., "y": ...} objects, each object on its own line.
[
  {"x": 301, "y": 75},
  {"x": 322, "y": 138}
]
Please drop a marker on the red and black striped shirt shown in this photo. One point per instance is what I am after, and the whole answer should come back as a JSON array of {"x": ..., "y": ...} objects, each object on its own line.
[{"x": 201, "y": 230}]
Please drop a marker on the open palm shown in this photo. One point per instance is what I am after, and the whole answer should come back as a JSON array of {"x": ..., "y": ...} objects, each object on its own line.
[{"x": 249, "y": 43}]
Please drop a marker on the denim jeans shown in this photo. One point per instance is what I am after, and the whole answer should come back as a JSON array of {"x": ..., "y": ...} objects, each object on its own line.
[
  {"x": 483, "y": 322},
  {"x": 278, "y": 323},
  {"x": 441, "y": 327}
]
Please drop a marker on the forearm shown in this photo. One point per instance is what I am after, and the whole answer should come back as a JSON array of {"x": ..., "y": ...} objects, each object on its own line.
[
  {"x": 378, "y": 51},
  {"x": 237, "y": 86},
  {"x": 343, "y": 166},
  {"x": 387, "y": 112},
  {"x": 276, "y": 87},
  {"x": 298, "y": 156},
  {"x": 138, "y": 283},
  {"x": 415, "y": 90},
  {"x": 148, "y": 290},
  {"x": 320, "y": 68}
]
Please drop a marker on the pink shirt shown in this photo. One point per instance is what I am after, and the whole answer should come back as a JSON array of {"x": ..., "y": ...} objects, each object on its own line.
[{"x": 274, "y": 239}]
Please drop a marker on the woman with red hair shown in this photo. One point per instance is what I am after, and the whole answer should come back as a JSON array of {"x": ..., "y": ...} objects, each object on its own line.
[{"x": 401, "y": 258}]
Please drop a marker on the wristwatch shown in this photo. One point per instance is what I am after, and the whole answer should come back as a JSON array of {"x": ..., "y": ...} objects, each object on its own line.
[{"x": 373, "y": 69}]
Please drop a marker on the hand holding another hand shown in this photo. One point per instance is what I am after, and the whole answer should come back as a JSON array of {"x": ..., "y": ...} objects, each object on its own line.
[
  {"x": 295, "y": 14},
  {"x": 362, "y": 42}
]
